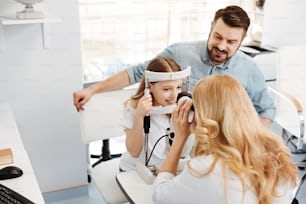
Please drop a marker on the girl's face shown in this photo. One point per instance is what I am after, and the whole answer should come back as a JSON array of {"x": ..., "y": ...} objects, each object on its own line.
[{"x": 165, "y": 92}]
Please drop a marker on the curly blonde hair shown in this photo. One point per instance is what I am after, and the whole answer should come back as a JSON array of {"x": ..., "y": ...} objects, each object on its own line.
[{"x": 228, "y": 127}]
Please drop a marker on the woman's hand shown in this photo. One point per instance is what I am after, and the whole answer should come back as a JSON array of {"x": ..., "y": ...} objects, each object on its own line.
[
  {"x": 181, "y": 125},
  {"x": 179, "y": 119}
]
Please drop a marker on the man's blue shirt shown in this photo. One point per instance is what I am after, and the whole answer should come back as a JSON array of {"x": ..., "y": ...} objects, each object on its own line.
[{"x": 240, "y": 66}]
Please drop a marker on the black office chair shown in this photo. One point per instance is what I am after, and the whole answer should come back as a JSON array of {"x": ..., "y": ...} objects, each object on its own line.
[{"x": 105, "y": 154}]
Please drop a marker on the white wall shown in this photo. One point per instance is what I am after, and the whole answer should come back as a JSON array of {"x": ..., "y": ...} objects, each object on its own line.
[
  {"x": 38, "y": 84},
  {"x": 284, "y": 23}
]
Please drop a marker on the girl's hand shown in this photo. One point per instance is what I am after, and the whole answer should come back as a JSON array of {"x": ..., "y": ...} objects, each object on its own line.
[
  {"x": 179, "y": 119},
  {"x": 144, "y": 105}
]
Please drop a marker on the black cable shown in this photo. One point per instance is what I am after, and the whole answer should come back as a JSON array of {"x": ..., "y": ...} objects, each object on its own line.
[{"x": 147, "y": 162}]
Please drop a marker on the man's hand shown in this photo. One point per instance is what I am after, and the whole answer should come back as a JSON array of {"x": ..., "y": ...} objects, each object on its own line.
[
  {"x": 80, "y": 98},
  {"x": 266, "y": 121},
  {"x": 115, "y": 82}
]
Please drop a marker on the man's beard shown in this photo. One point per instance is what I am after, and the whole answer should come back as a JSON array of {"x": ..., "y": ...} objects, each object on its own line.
[{"x": 217, "y": 56}]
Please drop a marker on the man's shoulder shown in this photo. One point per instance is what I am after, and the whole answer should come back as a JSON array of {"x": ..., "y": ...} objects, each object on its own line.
[
  {"x": 183, "y": 49},
  {"x": 244, "y": 56},
  {"x": 198, "y": 43},
  {"x": 241, "y": 57}
]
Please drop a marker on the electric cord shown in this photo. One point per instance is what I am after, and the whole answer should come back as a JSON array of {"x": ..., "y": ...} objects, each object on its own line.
[
  {"x": 146, "y": 125},
  {"x": 147, "y": 162}
]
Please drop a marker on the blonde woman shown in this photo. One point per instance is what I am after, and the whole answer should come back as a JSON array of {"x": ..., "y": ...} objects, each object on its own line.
[{"x": 236, "y": 159}]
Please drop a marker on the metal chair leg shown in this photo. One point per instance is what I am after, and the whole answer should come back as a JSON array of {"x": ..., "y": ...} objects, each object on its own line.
[{"x": 300, "y": 184}]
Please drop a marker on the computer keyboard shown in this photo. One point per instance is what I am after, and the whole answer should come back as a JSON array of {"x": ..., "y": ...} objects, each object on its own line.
[{"x": 9, "y": 196}]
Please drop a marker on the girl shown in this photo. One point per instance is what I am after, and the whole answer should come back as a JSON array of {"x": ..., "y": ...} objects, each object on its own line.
[{"x": 162, "y": 93}]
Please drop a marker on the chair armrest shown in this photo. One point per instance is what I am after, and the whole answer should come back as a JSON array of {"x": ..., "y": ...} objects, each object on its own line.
[
  {"x": 288, "y": 98},
  {"x": 295, "y": 125}
]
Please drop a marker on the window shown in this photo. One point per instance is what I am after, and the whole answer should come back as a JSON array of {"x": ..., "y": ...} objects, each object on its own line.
[{"x": 117, "y": 33}]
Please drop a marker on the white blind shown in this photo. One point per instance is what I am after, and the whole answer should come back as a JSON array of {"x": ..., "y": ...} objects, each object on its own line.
[{"x": 116, "y": 33}]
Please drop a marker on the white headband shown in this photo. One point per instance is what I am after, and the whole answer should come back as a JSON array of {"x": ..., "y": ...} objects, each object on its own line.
[{"x": 164, "y": 76}]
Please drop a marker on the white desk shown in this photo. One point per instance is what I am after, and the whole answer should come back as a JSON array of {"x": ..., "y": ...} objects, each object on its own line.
[
  {"x": 135, "y": 189},
  {"x": 27, "y": 184}
]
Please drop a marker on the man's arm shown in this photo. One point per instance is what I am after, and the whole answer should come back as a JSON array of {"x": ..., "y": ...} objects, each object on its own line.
[
  {"x": 262, "y": 100},
  {"x": 114, "y": 82},
  {"x": 117, "y": 81}
]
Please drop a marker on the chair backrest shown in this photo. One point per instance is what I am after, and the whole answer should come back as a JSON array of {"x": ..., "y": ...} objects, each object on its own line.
[
  {"x": 291, "y": 79},
  {"x": 267, "y": 63},
  {"x": 101, "y": 117}
]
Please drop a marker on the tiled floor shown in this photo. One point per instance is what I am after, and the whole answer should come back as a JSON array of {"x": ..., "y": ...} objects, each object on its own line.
[
  {"x": 82, "y": 195},
  {"x": 90, "y": 195}
]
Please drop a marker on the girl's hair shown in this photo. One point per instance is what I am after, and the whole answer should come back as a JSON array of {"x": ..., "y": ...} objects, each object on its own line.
[
  {"x": 158, "y": 64},
  {"x": 228, "y": 127}
]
